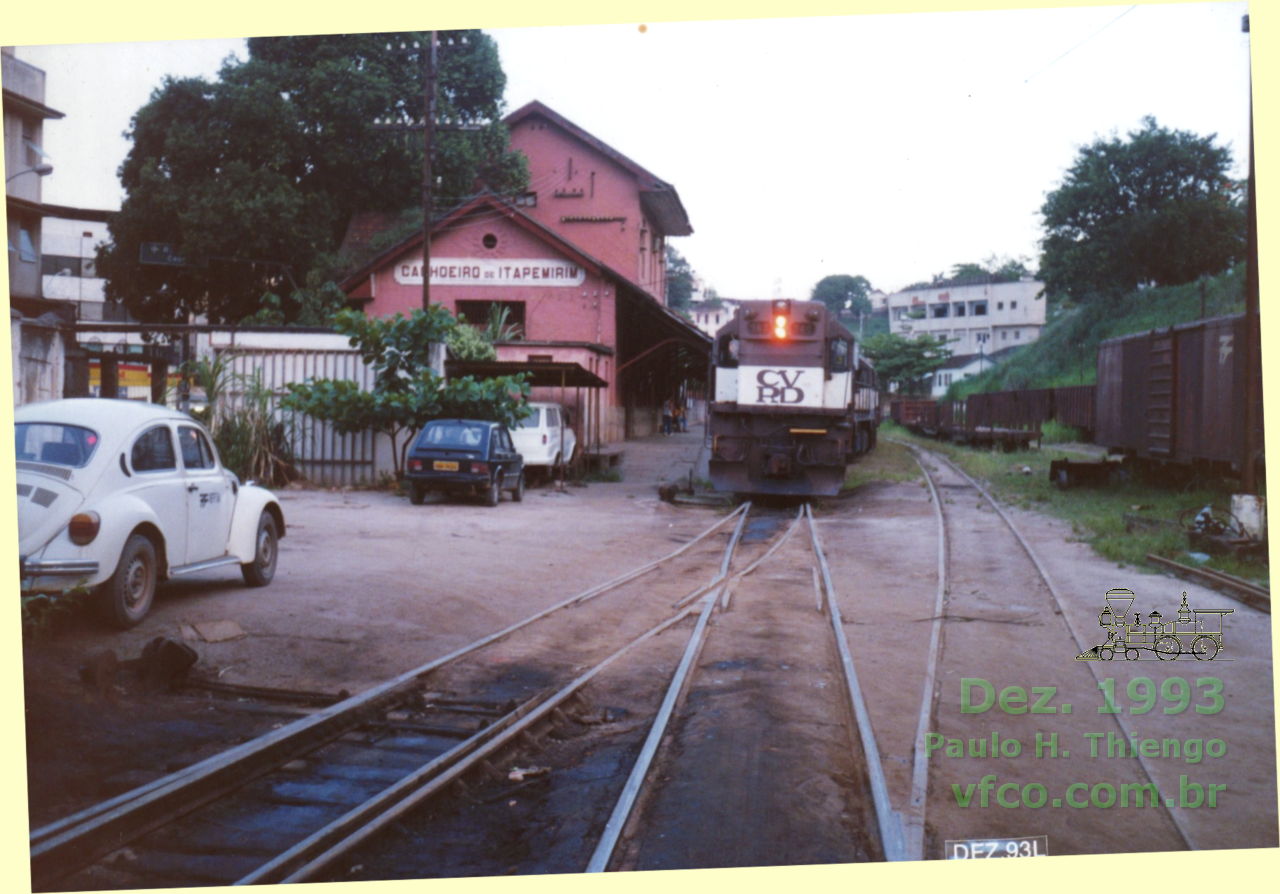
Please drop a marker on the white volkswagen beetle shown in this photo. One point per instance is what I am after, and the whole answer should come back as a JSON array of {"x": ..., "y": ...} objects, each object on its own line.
[{"x": 119, "y": 495}]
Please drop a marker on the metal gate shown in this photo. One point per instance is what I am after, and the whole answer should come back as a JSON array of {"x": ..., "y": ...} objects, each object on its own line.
[{"x": 322, "y": 455}]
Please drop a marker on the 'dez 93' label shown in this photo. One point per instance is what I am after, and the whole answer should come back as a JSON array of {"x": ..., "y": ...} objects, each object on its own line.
[
  {"x": 780, "y": 386},
  {"x": 987, "y": 848}
]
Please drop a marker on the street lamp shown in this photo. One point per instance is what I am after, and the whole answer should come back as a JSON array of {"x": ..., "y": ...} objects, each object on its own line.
[{"x": 41, "y": 170}]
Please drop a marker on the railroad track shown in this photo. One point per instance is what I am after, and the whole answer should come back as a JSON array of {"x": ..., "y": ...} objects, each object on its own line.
[
  {"x": 734, "y": 781},
  {"x": 969, "y": 536},
  {"x": 284, "y": 806},
  {"x": 292, "y": 804}
]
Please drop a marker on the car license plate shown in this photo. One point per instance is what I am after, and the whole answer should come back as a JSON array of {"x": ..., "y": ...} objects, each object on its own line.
[{"x": 441, "y": 465}]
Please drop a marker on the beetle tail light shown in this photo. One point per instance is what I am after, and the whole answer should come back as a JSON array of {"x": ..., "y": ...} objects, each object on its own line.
[
  {"x": 480, "y": 468},
  {"x": 415, "y": 465},
  {"x": 83, "y": 528}
]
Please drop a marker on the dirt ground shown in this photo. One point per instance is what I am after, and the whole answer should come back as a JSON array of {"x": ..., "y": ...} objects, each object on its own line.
[{"x": 369, "y": 586}]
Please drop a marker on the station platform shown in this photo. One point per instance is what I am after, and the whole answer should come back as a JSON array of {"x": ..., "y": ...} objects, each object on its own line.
[{"x": 662, "y": 459}]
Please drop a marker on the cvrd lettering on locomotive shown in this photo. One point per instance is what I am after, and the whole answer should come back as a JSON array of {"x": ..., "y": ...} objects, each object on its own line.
[{"x": 778, "y": 386}]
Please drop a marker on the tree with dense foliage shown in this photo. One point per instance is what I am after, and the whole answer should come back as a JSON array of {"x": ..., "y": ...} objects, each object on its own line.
[
  {"x": 841, "y": 292},
  {"x": 993, "y": 269},
  {"x": 406, "y": 394},
  {"x": 248, "y": 181},
  {"x": 680, "y": 280},
  {"x": 907, "y": 362},
  {"x": 1154, "y": 209}
]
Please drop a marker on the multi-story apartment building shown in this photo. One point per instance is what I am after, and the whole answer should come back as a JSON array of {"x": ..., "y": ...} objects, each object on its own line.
[
  {"x": 975, "y": 318},
  {"x": 24, "y": 167}
]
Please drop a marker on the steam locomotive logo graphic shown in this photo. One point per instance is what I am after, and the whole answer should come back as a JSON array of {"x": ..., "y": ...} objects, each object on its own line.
[{"x": 1194, "y": 632}]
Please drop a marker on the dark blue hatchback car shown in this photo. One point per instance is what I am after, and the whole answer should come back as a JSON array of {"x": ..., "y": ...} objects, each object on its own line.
[{"x": 465, "y": 456}]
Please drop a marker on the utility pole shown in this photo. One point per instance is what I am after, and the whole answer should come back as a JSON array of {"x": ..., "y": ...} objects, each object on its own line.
[
  {"x": 428, "y": 130},
  {"x": 1253, "y": 338}
]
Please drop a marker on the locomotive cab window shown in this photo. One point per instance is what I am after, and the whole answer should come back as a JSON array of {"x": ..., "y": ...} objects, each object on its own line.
[
  {"x": 839, "y": 355},
  {"x": 727, "y": 351}
]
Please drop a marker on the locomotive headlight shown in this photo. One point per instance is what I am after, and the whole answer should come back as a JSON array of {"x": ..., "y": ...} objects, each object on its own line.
[{"x": 780, "y": 327}]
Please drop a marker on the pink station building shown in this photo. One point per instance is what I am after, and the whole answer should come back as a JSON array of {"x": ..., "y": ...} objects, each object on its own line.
[{"x": 578, "y": 264}]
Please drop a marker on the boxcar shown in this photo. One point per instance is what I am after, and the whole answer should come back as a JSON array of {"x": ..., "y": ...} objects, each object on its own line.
[{"x": 1175, "y": 395}]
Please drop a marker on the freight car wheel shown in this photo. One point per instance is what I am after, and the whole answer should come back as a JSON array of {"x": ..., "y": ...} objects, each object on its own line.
[
  {"x": 1204, "y": 648},
  {"x": 1106, "y": 654}
]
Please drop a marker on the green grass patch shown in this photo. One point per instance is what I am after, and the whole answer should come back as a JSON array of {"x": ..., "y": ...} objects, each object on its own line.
[
  {"x": 888, "y": 462},
  {"x": 1067, "y": 350},
  {"x": 1054, "y": 432},
  {"x": 1096, "y": 515}
]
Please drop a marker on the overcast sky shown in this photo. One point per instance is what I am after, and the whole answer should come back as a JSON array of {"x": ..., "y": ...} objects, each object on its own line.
[{"x": 891, "y": 146}]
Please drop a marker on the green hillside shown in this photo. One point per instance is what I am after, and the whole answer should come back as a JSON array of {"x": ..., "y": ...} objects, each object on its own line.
[{"x": 1067, "y": 350}]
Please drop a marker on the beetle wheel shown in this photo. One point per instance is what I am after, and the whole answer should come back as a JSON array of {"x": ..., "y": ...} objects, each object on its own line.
[
  {"x": 262, "y": 569},
  {"x": 128, "y": 594},
  {"x": 517, "y": 492}
]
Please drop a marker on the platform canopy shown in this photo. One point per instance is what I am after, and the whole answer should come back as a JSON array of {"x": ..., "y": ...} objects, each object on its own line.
[{"x": 542, "y": 373}]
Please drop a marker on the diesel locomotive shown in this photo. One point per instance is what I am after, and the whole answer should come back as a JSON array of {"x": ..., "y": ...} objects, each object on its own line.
[{"x": 793, "y": 401}]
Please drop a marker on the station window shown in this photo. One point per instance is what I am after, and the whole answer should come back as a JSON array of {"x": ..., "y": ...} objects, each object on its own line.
[
  {"x": 527, "y": 200},
  {"x": 1013, "y": 305},
  {"x": 999, "y": 305},
  {"x": 1017, "y": 335},
  {"x": 979, "y": 308},
  {"x": 480, "y": 313},
  {"x": 959, "y": 310},
  {"x": 939, "y": 311}
]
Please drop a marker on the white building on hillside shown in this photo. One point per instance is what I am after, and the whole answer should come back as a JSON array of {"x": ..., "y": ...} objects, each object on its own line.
[
  {"x": 975, "y": 318},
  {"x": 709, "y": 316},
  {"x": 962, "y": 366}
]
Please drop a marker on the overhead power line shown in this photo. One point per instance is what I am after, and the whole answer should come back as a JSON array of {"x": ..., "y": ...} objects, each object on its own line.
[{"x": 1059, "y": 58}]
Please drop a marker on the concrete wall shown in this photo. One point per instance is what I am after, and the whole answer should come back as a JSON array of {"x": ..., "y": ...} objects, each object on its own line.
[{"x": 39, "y": 361}]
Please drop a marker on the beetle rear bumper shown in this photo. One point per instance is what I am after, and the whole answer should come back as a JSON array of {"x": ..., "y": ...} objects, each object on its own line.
[{"x": 52, "y": 575}]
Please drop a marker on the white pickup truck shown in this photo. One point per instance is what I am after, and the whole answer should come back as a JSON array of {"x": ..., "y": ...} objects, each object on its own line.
[{"x": 544, "y": 437}]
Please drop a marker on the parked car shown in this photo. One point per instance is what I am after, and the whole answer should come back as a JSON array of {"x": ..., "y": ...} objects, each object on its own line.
[
  {"x": 119, "y": 495},
  {"x": 466, "y": 456},
  {"x": 544, "y": 437}
]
